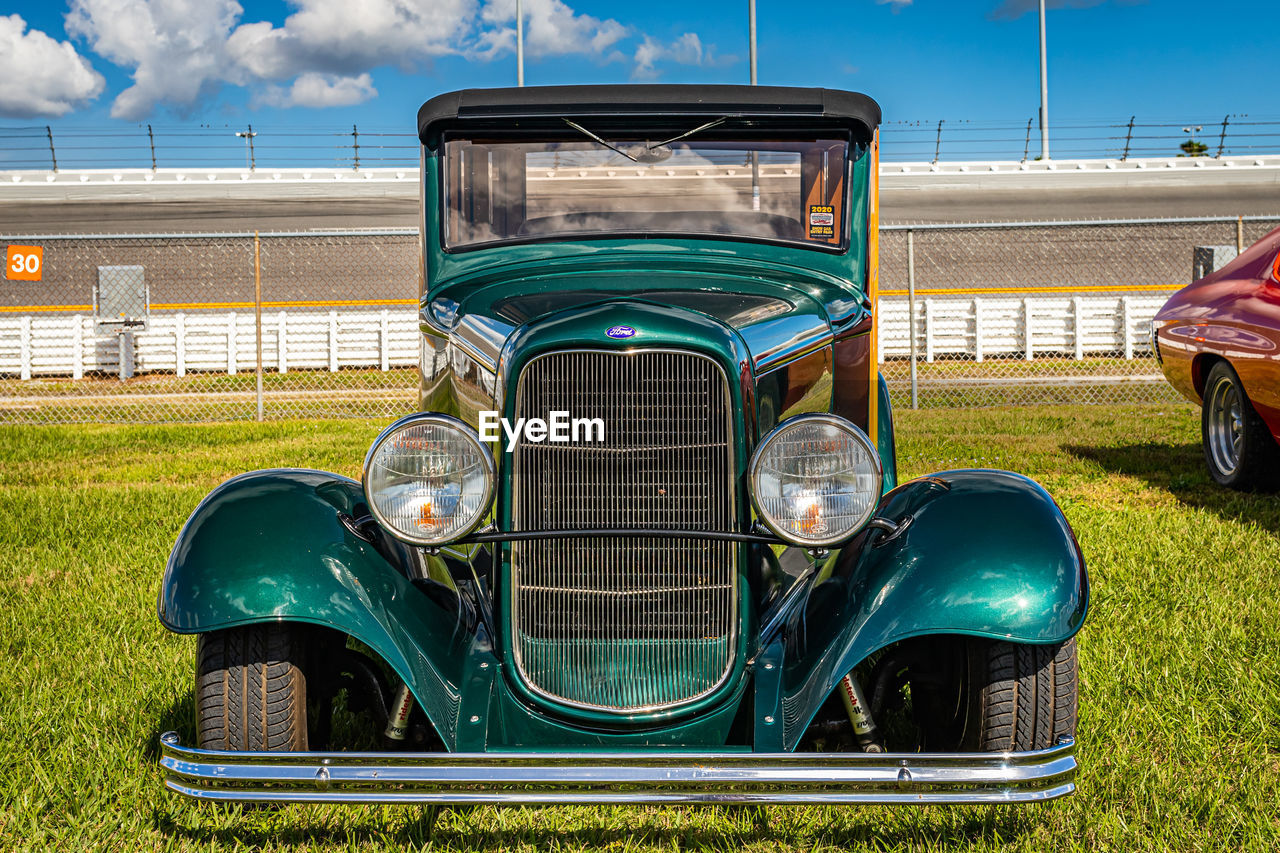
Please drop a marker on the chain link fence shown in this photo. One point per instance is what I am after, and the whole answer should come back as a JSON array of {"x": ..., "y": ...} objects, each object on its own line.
[
  {"x": 154, "y": 328},
  {"x": 1022, "y": 313}
]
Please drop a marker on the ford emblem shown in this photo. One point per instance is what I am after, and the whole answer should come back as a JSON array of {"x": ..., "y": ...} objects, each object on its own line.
[{"x": 620, "y": 332}]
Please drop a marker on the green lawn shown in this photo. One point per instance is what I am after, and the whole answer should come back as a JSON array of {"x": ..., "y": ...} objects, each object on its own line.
[{"x": 1180, "y": 659}]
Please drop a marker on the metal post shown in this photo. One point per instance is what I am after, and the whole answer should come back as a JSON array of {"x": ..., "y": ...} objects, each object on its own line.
[
  {"x": 937, "y": 148},
  {"x": 127, "y": 353},
  {"x": 1044, "y": 90},
  {"x": 355, "y": 146},
  {"x": 257, "y": 313},
  {"x": 151, "y": 138},
  {"x": 1128, "y": 138},
  {"x": 755, "y": 155},
  {"x": 911, "y": 314},
  {"x": 1239, "y": 235},
  {"x": 1026, "y": 147},
  {"x": 52, "y": 154},
  {"x": 247, "y": 136},
  {"x": 1222, "y": 139},
  {"x": 519, "y": 43}
]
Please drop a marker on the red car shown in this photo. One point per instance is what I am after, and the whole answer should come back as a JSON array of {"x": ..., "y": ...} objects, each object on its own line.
[{"x": 1218, "y": 341}]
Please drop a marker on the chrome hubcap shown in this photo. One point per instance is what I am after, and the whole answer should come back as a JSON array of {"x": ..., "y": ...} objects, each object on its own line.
[{"x": 1226, "y": 425}]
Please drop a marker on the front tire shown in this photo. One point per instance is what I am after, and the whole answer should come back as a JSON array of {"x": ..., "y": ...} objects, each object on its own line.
[
  {"x": 1238, "y": 447},
  {"x": 251, "y": 689},
  {"x": 966, "y": 694},
  {"x": 1022, "y": 697}
]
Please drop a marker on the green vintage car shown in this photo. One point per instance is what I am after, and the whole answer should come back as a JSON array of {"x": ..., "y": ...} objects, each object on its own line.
[{"x": 644, "y": 541}]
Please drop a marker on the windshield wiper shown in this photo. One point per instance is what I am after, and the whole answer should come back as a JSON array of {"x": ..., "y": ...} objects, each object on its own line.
[
  {"x": 688, "y": 133},
  {"x": 646, "y": 153},
  {"x": 608, "y": 145}
]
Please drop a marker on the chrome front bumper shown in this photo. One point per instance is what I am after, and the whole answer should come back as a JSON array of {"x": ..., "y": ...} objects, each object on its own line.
[{"x": 515, "y": 778}]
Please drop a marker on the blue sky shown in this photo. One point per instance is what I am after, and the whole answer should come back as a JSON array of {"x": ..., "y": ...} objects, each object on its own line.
[{"x": 314, "y": 63}]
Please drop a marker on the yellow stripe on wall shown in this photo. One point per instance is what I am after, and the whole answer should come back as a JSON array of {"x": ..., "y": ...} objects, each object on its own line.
[
  {"x": 34, "y": 309},
  {"x": 1015, "y": 290},
  {"x": 198, "y": 306},
  {"x": 297, "y": 303}
]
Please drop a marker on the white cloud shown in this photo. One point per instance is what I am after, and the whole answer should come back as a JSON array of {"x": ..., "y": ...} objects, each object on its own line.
[
  {"x": 550, "y": 28},
  {"x": 1010, "y": 9},
  {"x": 898, "y": 5},
  {"x": 314, "y": 89},
  {"x": 177, "y": 48},
  {"x": 341, "y": 37},
  {"x": 685, "y": 50},
  {"x": 182, "y": 50},
  {"x": 42, "y": 77}
]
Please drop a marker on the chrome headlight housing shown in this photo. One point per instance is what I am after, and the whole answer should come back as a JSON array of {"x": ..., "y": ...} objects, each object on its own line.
[
  {"x": 815, "y": 480},
  {"x": 428, "y": 479}
]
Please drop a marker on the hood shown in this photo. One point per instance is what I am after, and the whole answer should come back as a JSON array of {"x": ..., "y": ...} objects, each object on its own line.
[
  {"x": 1218, "y": 293},
  {"x": 776, "y": 312}
]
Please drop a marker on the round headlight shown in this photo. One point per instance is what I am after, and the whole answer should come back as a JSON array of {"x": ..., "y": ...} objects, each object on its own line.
[
  {"x": 428, "y": 479},
  {"x": 815, "y": 480}
]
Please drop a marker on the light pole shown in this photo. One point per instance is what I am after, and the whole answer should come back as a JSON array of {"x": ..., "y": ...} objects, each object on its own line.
[
  {"x": 247, "y": 136},
  {"x": 755, "y": 155},
  {"x": 519, "y": 43},
  {"x": 1191, "y": 147},
  {"x": 1044, "y": 91}
]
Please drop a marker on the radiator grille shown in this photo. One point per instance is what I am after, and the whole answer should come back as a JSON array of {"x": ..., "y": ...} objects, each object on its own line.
[{"x": 625, "y": 624}]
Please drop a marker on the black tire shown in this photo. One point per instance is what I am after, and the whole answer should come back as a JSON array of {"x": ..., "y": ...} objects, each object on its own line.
[
  {"x": 1238, "y": 447},
  {"x": 1021, "y": 697},
  {"x": 251, "y": 689}
]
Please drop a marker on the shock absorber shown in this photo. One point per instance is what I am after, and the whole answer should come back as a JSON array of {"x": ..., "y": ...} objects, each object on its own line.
[
  {"x": 855, "y": 704},
  {"x": 398, "y": 720}
]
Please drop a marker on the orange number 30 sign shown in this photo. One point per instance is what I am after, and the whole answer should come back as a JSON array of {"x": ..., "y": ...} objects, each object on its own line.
[{"x": 24, "y": 263}]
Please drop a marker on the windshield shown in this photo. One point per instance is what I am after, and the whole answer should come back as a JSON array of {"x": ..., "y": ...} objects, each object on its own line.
[{"x": 780, "y": 190}]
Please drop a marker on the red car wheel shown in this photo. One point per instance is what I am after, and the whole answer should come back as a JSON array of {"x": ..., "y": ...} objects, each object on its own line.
[{"x": 1238, "y": 447}]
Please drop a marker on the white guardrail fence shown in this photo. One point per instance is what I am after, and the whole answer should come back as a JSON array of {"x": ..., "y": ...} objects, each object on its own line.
[
  {"x": 181, "y": 343},
  {"x": 977, "y": 328}
]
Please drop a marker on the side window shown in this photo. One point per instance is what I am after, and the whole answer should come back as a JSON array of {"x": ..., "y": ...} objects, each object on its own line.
[
  {"x": 486, "y": 192},
  {"x": 822, "y": 183}
]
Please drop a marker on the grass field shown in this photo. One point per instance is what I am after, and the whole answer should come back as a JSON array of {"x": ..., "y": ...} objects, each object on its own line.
[{"x": 1180, "y": 658}]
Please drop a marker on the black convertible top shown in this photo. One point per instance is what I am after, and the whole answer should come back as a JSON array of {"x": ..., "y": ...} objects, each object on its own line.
[{"x": 830, "y": 106}]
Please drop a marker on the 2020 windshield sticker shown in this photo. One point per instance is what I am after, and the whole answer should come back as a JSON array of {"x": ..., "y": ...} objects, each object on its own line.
[
  {"x": 620, "y": 332},
  {"x": 558, "y": 427},
  {"x": 822, "y": 221}
]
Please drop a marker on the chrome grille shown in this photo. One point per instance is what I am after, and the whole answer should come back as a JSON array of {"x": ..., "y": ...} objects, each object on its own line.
[{"x": 625, "y": 624}]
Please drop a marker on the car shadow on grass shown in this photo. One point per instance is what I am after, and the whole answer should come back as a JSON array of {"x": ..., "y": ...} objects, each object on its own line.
[
  {"x": 1179, "y": 469},
  {"x": 733, "y": 827},
  {"x": 479, "y": 829},
  {"x": 179, "y": 717}
]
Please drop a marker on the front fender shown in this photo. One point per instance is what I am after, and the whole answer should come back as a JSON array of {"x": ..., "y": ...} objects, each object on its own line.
[
  {"x": 270, "y": 546},
  {"x": 986, "y": 553}
]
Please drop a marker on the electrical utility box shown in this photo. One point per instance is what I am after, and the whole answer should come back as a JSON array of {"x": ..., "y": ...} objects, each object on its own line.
[
  {"x": 122, "y": 307},
  {"x": 1207, "y": 259},
  {"x": 121, "y": 300}
]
